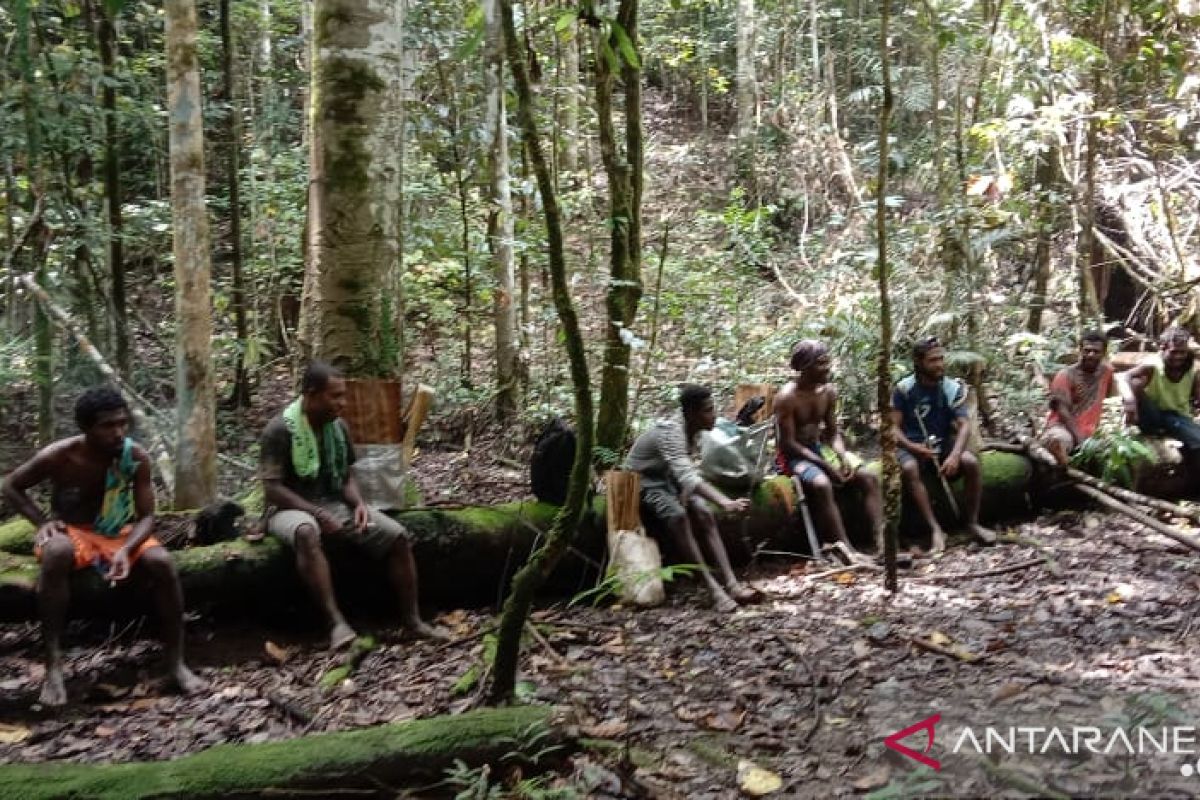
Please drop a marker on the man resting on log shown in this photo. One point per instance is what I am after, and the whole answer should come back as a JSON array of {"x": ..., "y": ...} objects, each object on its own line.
[
  {"x": 1161, "y": 396},
  {"x": 674, "y": 494},
  {"x": 306, "y": 466},
  {"x": 101, "y": 516},
  {"x": 810, "y": 442},
  {"x": 932, "y": 424},
  {"x": 1077, "y": 398}
]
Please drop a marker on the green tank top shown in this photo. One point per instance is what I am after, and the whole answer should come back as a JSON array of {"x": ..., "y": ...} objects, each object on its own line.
[{"x": 1171, "y": 395}]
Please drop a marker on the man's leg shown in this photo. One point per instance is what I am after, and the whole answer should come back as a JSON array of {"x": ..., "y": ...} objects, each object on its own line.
[
  {"x": 54, "y": 592},
  {"x": 1059, "y": 441},
  {"x": 301, "y": 531},
  {"x": 159, "y": 568},
  {"x": 819, "y": 490},
  {"x": 973, "y": 489},
  {"x": 910, "y": 473},
  {"x": 704, "y": 522},
  {"x": 402, "y": 572}
]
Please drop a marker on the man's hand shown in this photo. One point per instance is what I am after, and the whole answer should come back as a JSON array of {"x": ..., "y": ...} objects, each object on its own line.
[
  {"x": 48, "y": 531},
  {"x": 832, "y": 473},
  {"x": 327, "y": 521},
  {"x": 118, "y": 568},
  {"x": 1131, "y": 413},
  {"x": 362, "y": 517},
  {"x": 921, "y": 451},
  {"x": 736, "y": 506},
  {"x": 951, "y": 464}
]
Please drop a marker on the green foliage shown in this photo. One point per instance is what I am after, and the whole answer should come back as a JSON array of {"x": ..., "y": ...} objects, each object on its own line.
[
  {"x": 914, "y": 783},
  {"x": 1114, "y": 453}
]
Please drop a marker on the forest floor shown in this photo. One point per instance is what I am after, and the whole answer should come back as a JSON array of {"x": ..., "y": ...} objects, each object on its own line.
[{"x": 1094, "y": 624}]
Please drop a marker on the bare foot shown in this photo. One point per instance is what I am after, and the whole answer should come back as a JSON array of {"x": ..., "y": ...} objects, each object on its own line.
[
  {"x": 743, "y": 593},
  {"x": 723, "y": 602},
  {"x": 423, "y": 630},
  {"x": 984, "y": 535},
  {"x": 937, "y": 542},
  {"x": 341, "y": 635},
  {"x": 187, "y": 681},
  {"x": 54, "y": 690}
]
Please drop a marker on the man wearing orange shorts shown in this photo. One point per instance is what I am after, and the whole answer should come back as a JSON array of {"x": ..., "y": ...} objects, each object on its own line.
[{"x": 101, "y": 516}]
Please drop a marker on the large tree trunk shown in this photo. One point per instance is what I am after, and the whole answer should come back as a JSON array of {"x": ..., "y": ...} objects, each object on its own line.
[
  {"x": 196, "y": 446},
  {"x": 746, "y": 90},
  {"x": 500, "y": 223},
  {"x": 624, "y": 172},
  {"x": 543, "y": 562},
  {"x": 353, "y": 232}
]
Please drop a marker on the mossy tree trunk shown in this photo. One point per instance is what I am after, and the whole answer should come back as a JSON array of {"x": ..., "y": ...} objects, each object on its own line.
[
  {"x": 889, "y": 467},
  {"x": 196, "y": 444},
  {"x": 619, "y": 45},
  {"x": 355, "y": 123},
  {"x": 500, "y": 221},
  {"x": 566, "y": 523}
]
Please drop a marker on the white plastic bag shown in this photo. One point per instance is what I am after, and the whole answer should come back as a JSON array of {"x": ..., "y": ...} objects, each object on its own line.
[{"x": 635, "y": 560}]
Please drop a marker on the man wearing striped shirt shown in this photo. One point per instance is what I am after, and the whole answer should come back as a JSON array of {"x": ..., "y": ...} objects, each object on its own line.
[{"x": 674, "y": 494}]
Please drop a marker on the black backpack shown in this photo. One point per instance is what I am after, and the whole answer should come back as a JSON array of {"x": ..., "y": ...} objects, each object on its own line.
[{"x": 553, "y": 457}]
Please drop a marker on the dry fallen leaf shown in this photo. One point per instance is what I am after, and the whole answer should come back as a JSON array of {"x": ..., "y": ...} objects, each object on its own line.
[
  {"x": 609, "y": 729},
  {"x": 1007, "y": 691},
  {"x": 756, "y": 781},
  {"x": 275, "y": 653},
  {"x": 1114, "y": 597},
  {"x": 12, "y": 734},
  {"x": 845, "y": 578},
  {"x": 940, "y": 639},
  {"x": 874, "y": 779},
  {"x": 104, "y": 731},
  {"x": 725, "y": 720}
]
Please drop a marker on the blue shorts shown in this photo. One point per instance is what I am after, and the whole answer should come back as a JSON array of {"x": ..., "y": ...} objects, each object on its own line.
[
  {"x": 905, "y": 457},
  {"x": 1156, "y": 422}
]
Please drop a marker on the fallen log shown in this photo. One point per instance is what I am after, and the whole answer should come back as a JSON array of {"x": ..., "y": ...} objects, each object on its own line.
[
  {"x": 391, "y": 756},
  {"x": 465, "y": 557},
  {"x": 1150, "y": 522}
]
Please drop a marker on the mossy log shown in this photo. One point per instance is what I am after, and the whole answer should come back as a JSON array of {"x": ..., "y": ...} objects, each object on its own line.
[
  {"x": 465, "y": 557},
  {"x": 392, "y": 755}
]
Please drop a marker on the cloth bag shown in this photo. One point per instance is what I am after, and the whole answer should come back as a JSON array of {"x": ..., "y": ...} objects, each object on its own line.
[{"x": 635, "y": 560}]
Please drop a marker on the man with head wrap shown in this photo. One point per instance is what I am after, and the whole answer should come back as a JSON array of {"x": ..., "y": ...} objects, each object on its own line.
[{"x": 811, "y": 446}]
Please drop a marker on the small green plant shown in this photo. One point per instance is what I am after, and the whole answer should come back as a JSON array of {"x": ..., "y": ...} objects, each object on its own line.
[
  {"x": 920, "y": 782},
  {"x": 1114, "y": 454},
  {"x": 613, "y": 585}
]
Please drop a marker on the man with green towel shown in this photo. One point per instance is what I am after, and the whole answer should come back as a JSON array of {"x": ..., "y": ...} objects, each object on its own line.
[
  {"x": 306, "y": 466},
  {"x": 101, "y": 516},
  {"x": 1161, "y": 396}
]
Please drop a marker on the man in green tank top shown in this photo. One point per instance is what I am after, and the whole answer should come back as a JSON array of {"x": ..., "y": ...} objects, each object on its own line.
[{"x": 1161, "y": 396}]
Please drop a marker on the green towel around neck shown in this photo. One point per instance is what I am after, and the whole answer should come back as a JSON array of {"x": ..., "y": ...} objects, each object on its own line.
[
  {"x": 116, "y": 509},
  {"x": 306, "y": 454}
]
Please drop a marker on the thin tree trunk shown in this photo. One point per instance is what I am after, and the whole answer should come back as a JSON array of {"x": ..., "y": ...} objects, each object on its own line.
[
  {"x": 746, "y": 93},
  {"x": 240, "y": 398},
  {"x": 196, "y": 454},
  {"x": 43, "y": 335},
  {"x": 1044, "y": 176},
  {"x": 569, "y": 158},
  {"x": 890, "y": 468},
  {"x": 500, "y": 223},
  {"x": 566, "y": 523},
  {"x": 112, "y": 187}
]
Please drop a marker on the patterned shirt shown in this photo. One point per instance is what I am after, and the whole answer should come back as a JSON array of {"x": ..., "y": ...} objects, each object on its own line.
[{"x": 664, "y": 452}]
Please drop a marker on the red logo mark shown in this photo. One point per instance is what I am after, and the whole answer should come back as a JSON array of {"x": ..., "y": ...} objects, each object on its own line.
[{"x": 926, "y": 725}]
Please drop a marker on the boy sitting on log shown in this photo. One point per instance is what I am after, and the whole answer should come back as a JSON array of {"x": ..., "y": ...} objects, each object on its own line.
[
  {"x": 1161, "y": 396},
  {"x": 1077, "y": 398},
  {"x": 810, "y": 442},
  {"x": 932, "y": 425},
  {"x": 306, "y": 466},
  {"x": 101, "y": 516},
  {"x": 674, "y": 493}
]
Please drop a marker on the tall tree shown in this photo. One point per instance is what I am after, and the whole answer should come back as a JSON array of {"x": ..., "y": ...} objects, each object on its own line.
[
  {"x": 617, "y": 44},
  {"x": 569, "y": 156},
  {"x": 500, "y": 219},
  {"x": 746, "y": 89},
  {"x": 543, "y": 561},
  {"x": 240, "y": 396},
  {"x": 196, "y": 446},
  {"x": 355, "y": 117}
]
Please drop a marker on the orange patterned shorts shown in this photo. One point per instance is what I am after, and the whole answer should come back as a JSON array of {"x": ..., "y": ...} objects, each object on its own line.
[{"x": 92, "y": 548}]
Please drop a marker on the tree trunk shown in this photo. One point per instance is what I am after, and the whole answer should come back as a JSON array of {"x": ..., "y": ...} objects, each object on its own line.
[
  {"x": 624, "y": 172},
  {"x": 500, "y": 223},
  {"x": 566, "y": 523},
  {"x": 357, "y": 94},
  {"x": 569, "y": 156},
  {"x": 112, "y": 186},
  {"x": 890, "y": 468},
  {"x": 1045, "y": 177},
  {"x": 196, "y": 446},
  {"x": 746, "y": 91},
  {"x": 240, "y": 398}
]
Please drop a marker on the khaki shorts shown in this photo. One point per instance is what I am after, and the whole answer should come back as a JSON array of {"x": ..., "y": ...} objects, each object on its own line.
[{"x": 377, "y": 540}]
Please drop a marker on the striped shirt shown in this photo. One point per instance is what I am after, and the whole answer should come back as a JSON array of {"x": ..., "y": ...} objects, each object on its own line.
[{"x": 663, "y": 451}]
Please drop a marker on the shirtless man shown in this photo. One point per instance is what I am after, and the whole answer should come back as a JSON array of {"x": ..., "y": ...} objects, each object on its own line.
[
  {"x": 810, "y": 442},
  {"x": 932, "y": 426},
  {"x": 101, "y": 515}
]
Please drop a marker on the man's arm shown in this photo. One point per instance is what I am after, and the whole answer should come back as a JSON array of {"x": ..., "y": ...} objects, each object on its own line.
[
  {"x": 832, "y": 433},
  {"x": 352, "y": 494},
  {"x": 918, "y": 450},
  {"x": 1131, "y": 385},
  {"x": 710, "y": 492},
  {"x": 24, "y": 478},
  {"x": 1195, "y": 392},
  {"x": 1060, "y": 403}
]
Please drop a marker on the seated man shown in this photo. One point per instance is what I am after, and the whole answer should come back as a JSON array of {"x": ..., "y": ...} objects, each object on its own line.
[
  {"x": 674, "y": 493},
  {"x": 311, "y": 493},
  {"x": 932, "y": 426},
  {"x": 101, "y": 516},
  {"x": 1077, "y": 398},
  {"x": 809, "y": 442},
  {"x": 1161, "y": 396}
]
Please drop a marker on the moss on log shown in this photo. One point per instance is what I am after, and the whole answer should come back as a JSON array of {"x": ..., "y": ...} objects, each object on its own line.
[
  {"x": 465, "y": 557},
  {"x": 389, "y": 754}
]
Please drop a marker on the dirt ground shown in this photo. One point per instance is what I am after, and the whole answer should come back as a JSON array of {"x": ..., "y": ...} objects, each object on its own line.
[{"x": 1090, "y": 623}]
